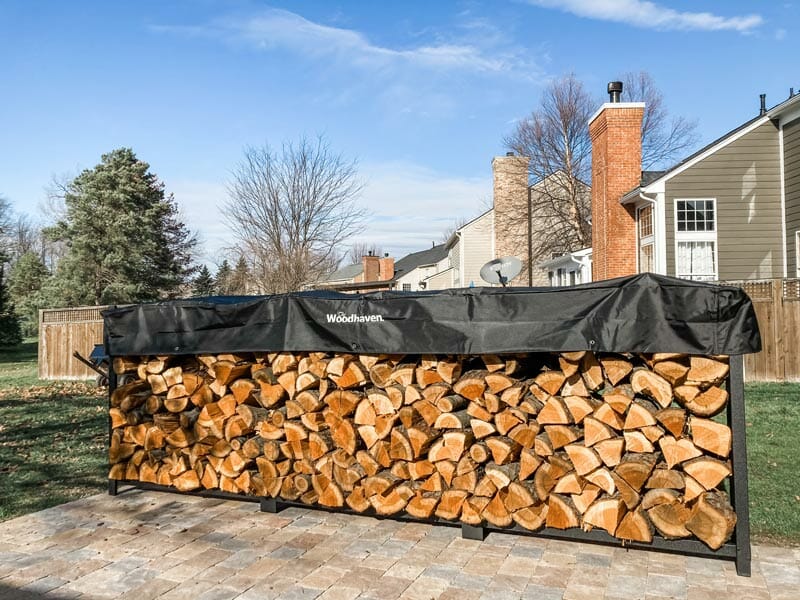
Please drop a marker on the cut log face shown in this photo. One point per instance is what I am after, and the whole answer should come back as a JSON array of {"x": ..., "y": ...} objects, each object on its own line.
[
  {"x": 712, "y": 519},
  {"x": 653, "y": 386},
  {"x": 711, "y": 436},
  {"x": 568, "y": 440}
]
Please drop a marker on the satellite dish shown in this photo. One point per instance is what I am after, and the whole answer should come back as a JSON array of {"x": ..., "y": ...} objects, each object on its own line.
[{"x": 501, "y": 270}]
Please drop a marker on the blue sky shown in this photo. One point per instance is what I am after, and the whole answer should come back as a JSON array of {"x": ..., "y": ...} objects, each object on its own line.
[{"x": 420, "y": 93}]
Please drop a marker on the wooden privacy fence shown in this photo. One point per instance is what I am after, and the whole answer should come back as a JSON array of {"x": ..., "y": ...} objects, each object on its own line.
[
  {"x": 777, "y": 306},
  {"x": 63, "y": 331}
]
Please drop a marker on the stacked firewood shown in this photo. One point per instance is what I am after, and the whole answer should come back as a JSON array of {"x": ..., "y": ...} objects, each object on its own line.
[{"x": 623, "y": 443}]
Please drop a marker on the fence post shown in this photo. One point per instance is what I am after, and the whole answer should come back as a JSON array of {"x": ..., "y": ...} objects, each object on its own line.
[
  {"x": 777, "y": 325},
  {"x": 738, "y": 482}
]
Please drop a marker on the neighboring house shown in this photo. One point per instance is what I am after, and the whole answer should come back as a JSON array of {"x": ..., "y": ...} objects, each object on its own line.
[
  {"x": 500, "y": 231},
  {"x": 568, "y": 269},
  {"x": 730, "y": 211},
  {"x": 469, "y": 248},
  {"x": 413, "y": 270},
  {"x": 373, "y": 273}
]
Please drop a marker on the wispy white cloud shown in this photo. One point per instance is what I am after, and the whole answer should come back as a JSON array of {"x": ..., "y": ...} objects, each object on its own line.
[
  {"x": 282, "y": 29},
  {"x": 410, "y": 206},
  {"x": 650, "y": 15}
]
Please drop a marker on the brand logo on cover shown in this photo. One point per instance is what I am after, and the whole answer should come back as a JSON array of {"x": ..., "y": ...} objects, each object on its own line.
[{"x": 342, "y": 317}]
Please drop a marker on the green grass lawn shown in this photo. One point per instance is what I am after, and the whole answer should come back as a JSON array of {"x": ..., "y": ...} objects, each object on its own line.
[
  {"x": 773, "y": 422},
  {"x": 53, "y": 437}
]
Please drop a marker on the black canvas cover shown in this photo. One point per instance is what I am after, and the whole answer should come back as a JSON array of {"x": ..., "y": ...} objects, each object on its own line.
[{"x": 641, "y": 313}]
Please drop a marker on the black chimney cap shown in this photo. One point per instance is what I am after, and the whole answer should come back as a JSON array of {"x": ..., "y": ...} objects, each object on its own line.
[
  {"x": 614, "y": 90},
  {"x": 763, "y": 99},
  {"x": 509, "y": 153}
]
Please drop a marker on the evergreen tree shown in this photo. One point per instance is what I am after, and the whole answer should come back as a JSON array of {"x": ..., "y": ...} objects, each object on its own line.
[
  {"x": 10, "y": 334},
  {"x": 9, "y": 322},
  {"x": 240, "y": 278},
  {"x": 26, "y": 283},
  {"x": 222, "y": 280},
  {"x": 124, "y": 239},
  {"x": 203, "y": 283}
]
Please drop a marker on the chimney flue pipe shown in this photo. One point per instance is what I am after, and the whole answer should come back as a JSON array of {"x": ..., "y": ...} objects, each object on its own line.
[{"x": 614, "y": 91}]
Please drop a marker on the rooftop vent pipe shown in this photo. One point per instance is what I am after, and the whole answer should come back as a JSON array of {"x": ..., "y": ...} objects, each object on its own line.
[
  {"x": 614, "y": 91},
  {"x": 763, "y": 109}
]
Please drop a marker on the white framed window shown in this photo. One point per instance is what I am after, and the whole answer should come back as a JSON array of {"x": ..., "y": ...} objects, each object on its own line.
[
  {"x": 647, "y": 240},
  {"x": 406, "y": 287},
  {"x": 696, "y": 239}
]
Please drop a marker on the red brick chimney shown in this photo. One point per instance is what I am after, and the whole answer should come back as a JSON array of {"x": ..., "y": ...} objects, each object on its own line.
[
  {"x": 372, "y": 268},
  {"x": 386, "y": 267},
  {"x": 616, "y": 133}
]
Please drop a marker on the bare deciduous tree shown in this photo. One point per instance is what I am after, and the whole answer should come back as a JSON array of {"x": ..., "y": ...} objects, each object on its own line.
[
  {"x": 359, "y": 249},
  {"x": 457, "y": 224},
  {"x": 664, "y": 138},
  {"x": 289, "y": 210},
  {"x": 556, "y": 138}
]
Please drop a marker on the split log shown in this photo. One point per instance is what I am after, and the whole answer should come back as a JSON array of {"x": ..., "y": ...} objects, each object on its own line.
[
  {"x": 531, "y": 517},
  {"x": 673, "y": 371},
  {"x": 584, "y": 459},
  {"x": 610, "y": 451},
  {"x": 705, "y": 371},
  {"x": 708, "y": 472},
  {"x": 678, "y": 451},
  {"x": 561, "y": 512},
  {"x": 635, "y": 527},
  {"x": 471, "y": 384},
  {"x": 592, "y": 372},
  {"x": 706, "y": 403},
  {"x": 580, "y": 407},
  {"x": 616, "y": 368},
  {"x": 653, "y": 386},
  {"x": 496, "y": 512},
  {"x": 605, "y": 513},
  {"x": 666, "y": 479},
  {"x": 712, "y": 519},
  {"x": 554, "y": 413},
  {"x": 670, "y": 520},
  {"x": 711, "y": 436}
]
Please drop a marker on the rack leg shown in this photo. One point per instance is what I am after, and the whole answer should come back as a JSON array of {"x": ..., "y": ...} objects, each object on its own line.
[
  {"x": 468, "y": 532},
  {"x": 113, "y": 489},
  {"x": 739, "y": 492},
  {"x": 270, "y": 505}
]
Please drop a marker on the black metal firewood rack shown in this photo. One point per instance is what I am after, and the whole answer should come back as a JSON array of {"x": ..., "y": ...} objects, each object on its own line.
[{"x": 737, "y": 549}]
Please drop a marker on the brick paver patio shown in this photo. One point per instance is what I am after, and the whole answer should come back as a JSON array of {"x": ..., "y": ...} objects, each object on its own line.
[{"x": 143, "y": 545}]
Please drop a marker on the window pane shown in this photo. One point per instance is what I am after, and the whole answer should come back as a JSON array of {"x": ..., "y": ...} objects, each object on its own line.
[
  {"x": 695, "y": 260},
  {"x": 646, "y": 259}
]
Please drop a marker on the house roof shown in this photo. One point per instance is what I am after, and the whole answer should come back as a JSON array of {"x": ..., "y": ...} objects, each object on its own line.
[
  {"x": 418, "y": 259},
  {"x": 649, "y": 177},
  {"x": 577, "y": 257},
  {"x": 347, "y": 272}
]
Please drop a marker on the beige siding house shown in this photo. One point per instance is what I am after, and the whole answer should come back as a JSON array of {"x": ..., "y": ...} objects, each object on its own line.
[
  {"x": 791, "y": 182},
  {"x": 469, "y": 248},
  {"x": 730, "y": 211}
]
